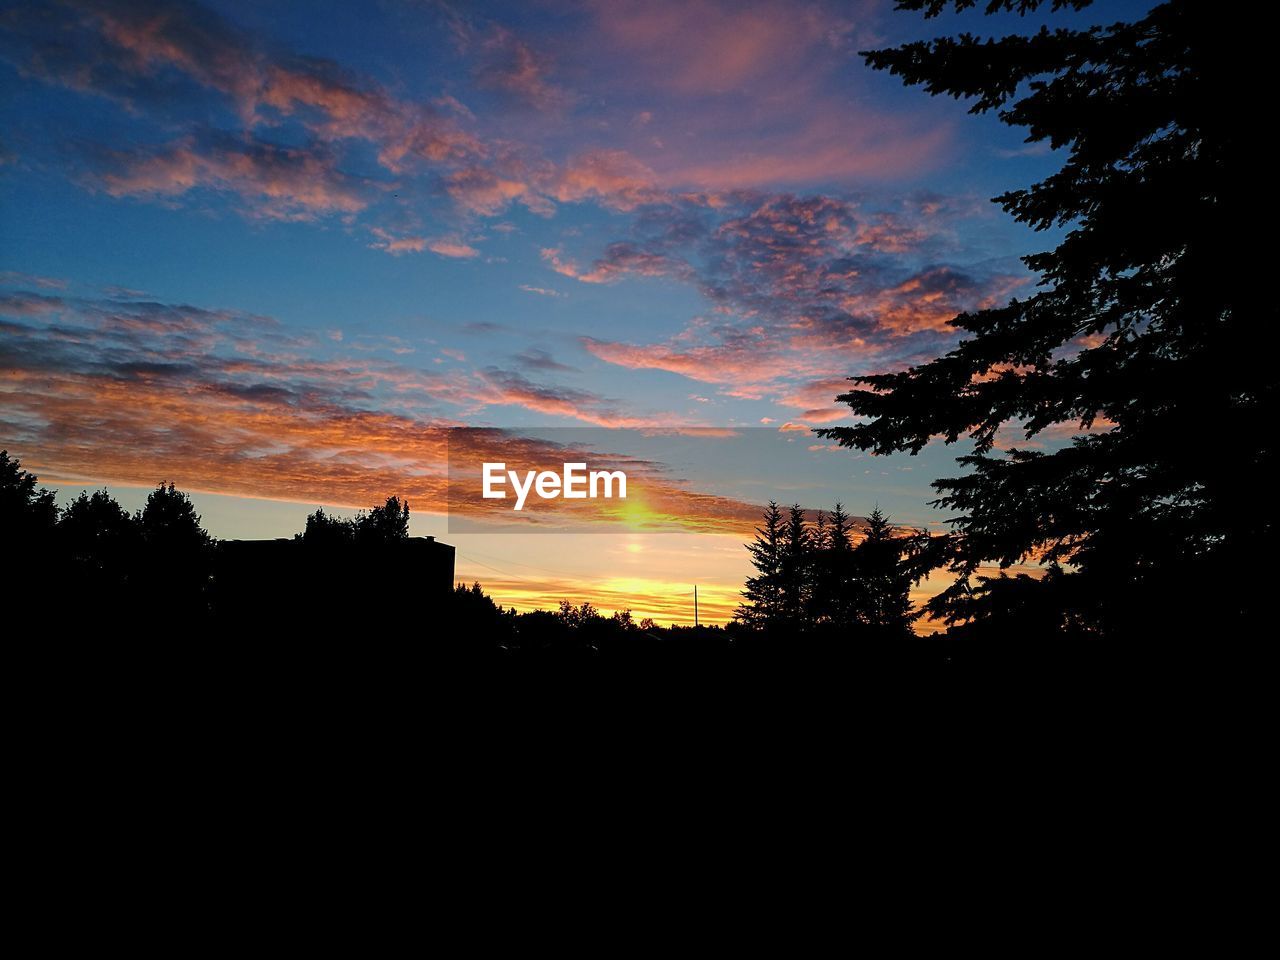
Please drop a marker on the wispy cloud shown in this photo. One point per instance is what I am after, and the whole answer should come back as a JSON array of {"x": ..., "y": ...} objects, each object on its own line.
[
  {"x": 153, "y": 384},
  {"x": 538, "y": 359},
  {"x": 512, "y": 67},
  {"x": 272, "y": 181},
  {"x": 802, "y": 291},
  {"x": 227, "y": 402},
  {"x": 541, "y": 291}
]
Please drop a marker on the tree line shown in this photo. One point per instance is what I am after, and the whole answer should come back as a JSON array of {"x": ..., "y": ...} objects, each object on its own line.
[
  {"x": 820, "y": 576},
  {"x": 93, "y": 568},
  {"x": 156, "y": 564}
]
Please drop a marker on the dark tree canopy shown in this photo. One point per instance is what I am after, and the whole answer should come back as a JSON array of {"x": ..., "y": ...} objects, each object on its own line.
[
  {"x": 1149, "y": 336},
  {"x": 25, "y": 511},
  {"x": 384, "y": 524},
  {"x": 93, "y": 525},
  {"x": 380, "y": 525},
  {"x": 325, "y": 530},
  {"x": 812, "y": 577},
  {"x": 169, "y": 522}
]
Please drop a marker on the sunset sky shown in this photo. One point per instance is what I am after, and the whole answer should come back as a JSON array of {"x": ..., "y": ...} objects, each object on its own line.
[{"x": 265, "y": 250}]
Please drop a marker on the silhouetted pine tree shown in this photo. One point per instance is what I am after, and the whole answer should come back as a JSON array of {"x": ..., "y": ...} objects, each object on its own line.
[
  {"x": 797, "y": 569},
  {"x": 834, "y": 572},
  {"x": 881, "y": 579},
  {"x": 839, "y": 530},
  {"x": 762, "y": 594},
  {"x": 1154, "y": 323}
]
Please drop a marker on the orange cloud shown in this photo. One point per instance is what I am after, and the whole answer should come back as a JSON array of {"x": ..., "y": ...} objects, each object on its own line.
[{"x": 133, "y": 393}]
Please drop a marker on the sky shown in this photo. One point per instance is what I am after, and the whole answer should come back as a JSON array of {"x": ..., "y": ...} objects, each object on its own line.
[{"x": 272, "y": 251}]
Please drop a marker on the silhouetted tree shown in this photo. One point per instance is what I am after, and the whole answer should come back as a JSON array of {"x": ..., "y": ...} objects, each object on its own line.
[
  {"x": 580, "y": 616},
  {"x": 385, "y": 524},
  {"x": 1153, "y": 326},
  {"x": 488, "y": 627},
  {"x": 27, "y": 518},
  {"x": 797, "y": 569},
  {"x": 25, "y": 512},
  {"x": 881, "y": 582},
  {"x": 833, "y": 600},
  {"x": 388, "y": 523},
  {"x": 763, "y": 592},
  {"x": 169, "y": 522},
  {"x": 326, "y": 531},
  {"x": 100, "y": 540},
  {"x": 839, "y": 530},
  {"x": 816, "y": 578},
  {"x": 93, "y": 522},
  {"x": 177, "y": 559}
]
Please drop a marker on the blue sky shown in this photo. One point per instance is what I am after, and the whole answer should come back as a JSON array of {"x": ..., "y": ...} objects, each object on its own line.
[{"x": 264, "y": 248}]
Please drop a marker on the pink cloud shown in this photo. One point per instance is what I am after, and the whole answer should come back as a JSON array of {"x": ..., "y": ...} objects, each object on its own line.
[
  {"x": 397, "y": 245},
  {"x": 504, "y": 388},
  {"x": 455, "y": 249},
  {"x": 512, "y": 67},
  {"x": 722, "y": 364},
  {"x": 481, "y": 190},
  {"x": 278, "y": 182},
  {"x": 701, "y": 46},
  {"x": 830, "y": 148},
  {"x": 785, "y": 65},
  {"x": 612, "y": 177},
  {"x": 620, "y": 260},
  {"x": 708, "y": 63},
  {"x": 817, "y": 400},
  {"x": 804, "y": 291}
]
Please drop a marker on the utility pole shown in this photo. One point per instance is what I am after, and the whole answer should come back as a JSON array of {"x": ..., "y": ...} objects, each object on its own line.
[{"x": 695, "y": 604}]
